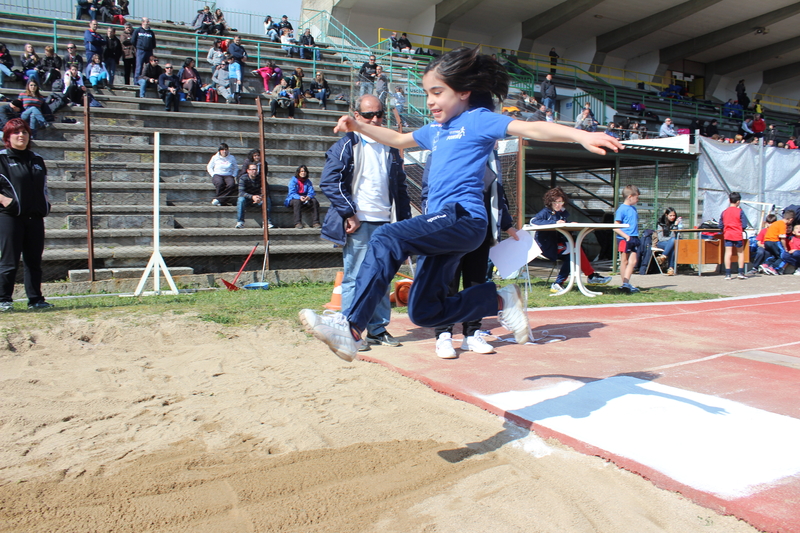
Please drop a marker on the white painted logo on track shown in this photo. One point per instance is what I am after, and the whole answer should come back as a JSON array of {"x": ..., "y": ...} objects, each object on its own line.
[{"x": 711, "y": 444}]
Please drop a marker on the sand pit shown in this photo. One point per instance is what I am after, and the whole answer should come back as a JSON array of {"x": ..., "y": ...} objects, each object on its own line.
[{"x": 143, "y": 423}]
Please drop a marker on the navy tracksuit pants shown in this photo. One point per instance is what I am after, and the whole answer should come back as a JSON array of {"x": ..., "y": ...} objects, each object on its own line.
[{"x": 441, "y": 239}]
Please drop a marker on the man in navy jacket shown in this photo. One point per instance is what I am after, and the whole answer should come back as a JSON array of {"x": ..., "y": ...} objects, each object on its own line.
[{"x": 366, "y": 186}]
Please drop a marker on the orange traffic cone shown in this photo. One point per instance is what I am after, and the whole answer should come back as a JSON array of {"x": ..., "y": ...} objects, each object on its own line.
[{"x": 336, "y": 298}]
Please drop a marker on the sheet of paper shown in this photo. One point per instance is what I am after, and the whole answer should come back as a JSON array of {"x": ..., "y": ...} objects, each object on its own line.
[{"x": 510, "y": 255}]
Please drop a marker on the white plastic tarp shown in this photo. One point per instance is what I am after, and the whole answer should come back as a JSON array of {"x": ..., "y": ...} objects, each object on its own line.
[{"x": 759, "y": 174}]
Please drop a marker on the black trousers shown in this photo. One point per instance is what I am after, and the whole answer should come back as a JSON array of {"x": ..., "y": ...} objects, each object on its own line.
[
  {"x": 473, "y": 271},
  {"x": 312, "y": 204},
  {"x": 129, "y": 63},
  {"x": 21, "y": 236},
  {"x": 226, "y": 188}
]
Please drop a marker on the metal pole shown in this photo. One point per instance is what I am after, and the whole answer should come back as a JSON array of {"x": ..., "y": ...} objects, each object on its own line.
[
  {"x": 264, "y": 185},
  {"x": 156, "y": 210},
  {"x": 87, "y": 152}
]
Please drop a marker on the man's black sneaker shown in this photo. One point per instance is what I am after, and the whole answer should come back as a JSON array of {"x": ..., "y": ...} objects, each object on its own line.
[
  {"x": 383, "y": 338},
  {"x": 39, "y": 306}
]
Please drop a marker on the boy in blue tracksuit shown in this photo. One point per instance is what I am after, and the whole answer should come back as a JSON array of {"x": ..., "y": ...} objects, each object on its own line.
[{"x": 628, "y": 238}]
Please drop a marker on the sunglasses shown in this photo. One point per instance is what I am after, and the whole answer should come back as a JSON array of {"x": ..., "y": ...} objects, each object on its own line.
[
  {"x": 168, "y": 68},
  {"x": 370, "y": 115}
]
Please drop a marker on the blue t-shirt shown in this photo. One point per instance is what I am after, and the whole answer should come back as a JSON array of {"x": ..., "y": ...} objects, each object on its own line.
[
  {"x": 461, "y": 146},
  {"x": 627, "y": 214}
]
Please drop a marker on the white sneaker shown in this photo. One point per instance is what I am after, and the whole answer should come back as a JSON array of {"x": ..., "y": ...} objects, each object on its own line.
[
  {"x": 334, "y": 330},
  {"x": 514, "y": 316},
  {"x": 555, "y": 287},
  {"x": 270, "y": 226},
  {"x": 444, "y": 347},
  {"x": 215, "y": 202},
  {"x": 796, "y": 272},
  {"x": 239, "y": 225},
  {"x": 476, "y": 343}
]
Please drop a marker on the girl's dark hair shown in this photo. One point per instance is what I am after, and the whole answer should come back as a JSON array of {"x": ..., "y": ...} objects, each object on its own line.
[
  {"x": 302, "y": 167},
  {"x": 465, "y": 69},
  {"x": 253, "y": 152},
  {"x": 554, "y": 194},
  {"x": 663, "y": 220},
  {"x": 187, "y": 62},
  {"x": 223, "y": 146}
]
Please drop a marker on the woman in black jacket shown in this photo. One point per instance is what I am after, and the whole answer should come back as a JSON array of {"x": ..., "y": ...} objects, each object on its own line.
[{"x": 24, "y": 203}]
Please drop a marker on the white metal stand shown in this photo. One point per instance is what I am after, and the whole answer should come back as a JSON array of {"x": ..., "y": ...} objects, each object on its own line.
[{"x": 156, "y": 263}]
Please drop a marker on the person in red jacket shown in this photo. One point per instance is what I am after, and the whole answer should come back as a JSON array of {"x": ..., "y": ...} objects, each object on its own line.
[
  {"x": 732, "y": 223},
  {"x": 759, "y": 126}
]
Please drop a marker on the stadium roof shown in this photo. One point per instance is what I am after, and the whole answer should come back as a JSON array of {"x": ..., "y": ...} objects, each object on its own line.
[{"x": 717, "y": 39}]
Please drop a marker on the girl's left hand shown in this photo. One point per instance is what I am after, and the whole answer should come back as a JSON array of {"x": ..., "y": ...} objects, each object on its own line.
[
  {"x": 347, "y": 124},
  {"x": 598, "y": 142}
]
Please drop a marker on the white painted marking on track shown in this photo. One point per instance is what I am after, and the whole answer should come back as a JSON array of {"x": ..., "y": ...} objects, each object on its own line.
[
  {"x": 711, "y": 444},
  {"x": 715, "y": 356}
]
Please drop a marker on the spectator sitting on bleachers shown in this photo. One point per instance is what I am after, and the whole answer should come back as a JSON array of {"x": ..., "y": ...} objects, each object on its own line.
[
  {"x": 190, "y": 79},
  {"x": 220, "y": 24},
  {"x": 215, "y": 54},
  {"x": 6, "y": 63},
  {"x": 31, "y": 64},
  {"x": 222, "y": 169},
  {"x": 52, "y": 66},
  {"x": 150, "y": 75},
  {"x": 73, "y": 85},
  {"x": 289, "y": 43},
  {"x": 282, "y": 97},
  {"x": 613, "y": 130},
  {"x": 585, "y": 121},
  {"x": 250, "y": 192},
  {"x": 539, "y": 115},
  {"x": 254, "y": 157},
  {"x": 301, "y": 194},
  {"x": 34, "y": 108},
  {"x": 296, "y": 84},
  {"x": 169, "y": 88},
  {"x": 775, "y": 240},
  {"x": 221, "y": 81},
  {"x": 272, "y": 29},
  {"x": 320, "y": 89},
  {"x": 204, "y": 22},
  {"x": 667, "y": 129},
  {"x": 404, "y": 45},
  {"x": 96, "y": 72},
  {"x": 284, "y": 23},
  {"x": 307, "y": 45},
  {"x": 791, "y": 144},
  {"x": 93, "y": 42},
  {"x": 86, "y": 7},
  {"x": 265, "y": 73},
  {"x": 106, "y": 11}
]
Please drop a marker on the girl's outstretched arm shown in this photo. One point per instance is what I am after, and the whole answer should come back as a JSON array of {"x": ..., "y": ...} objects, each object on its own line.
[
  {"x": 597, "y": 142},
  {"x": 380, "y": 134}
]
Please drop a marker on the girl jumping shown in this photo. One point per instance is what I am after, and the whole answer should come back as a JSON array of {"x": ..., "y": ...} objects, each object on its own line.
[{"x": 460, "y": 88}]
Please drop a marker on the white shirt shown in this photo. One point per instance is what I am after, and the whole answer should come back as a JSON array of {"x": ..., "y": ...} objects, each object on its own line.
[{"x": 372, "y": 196}]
